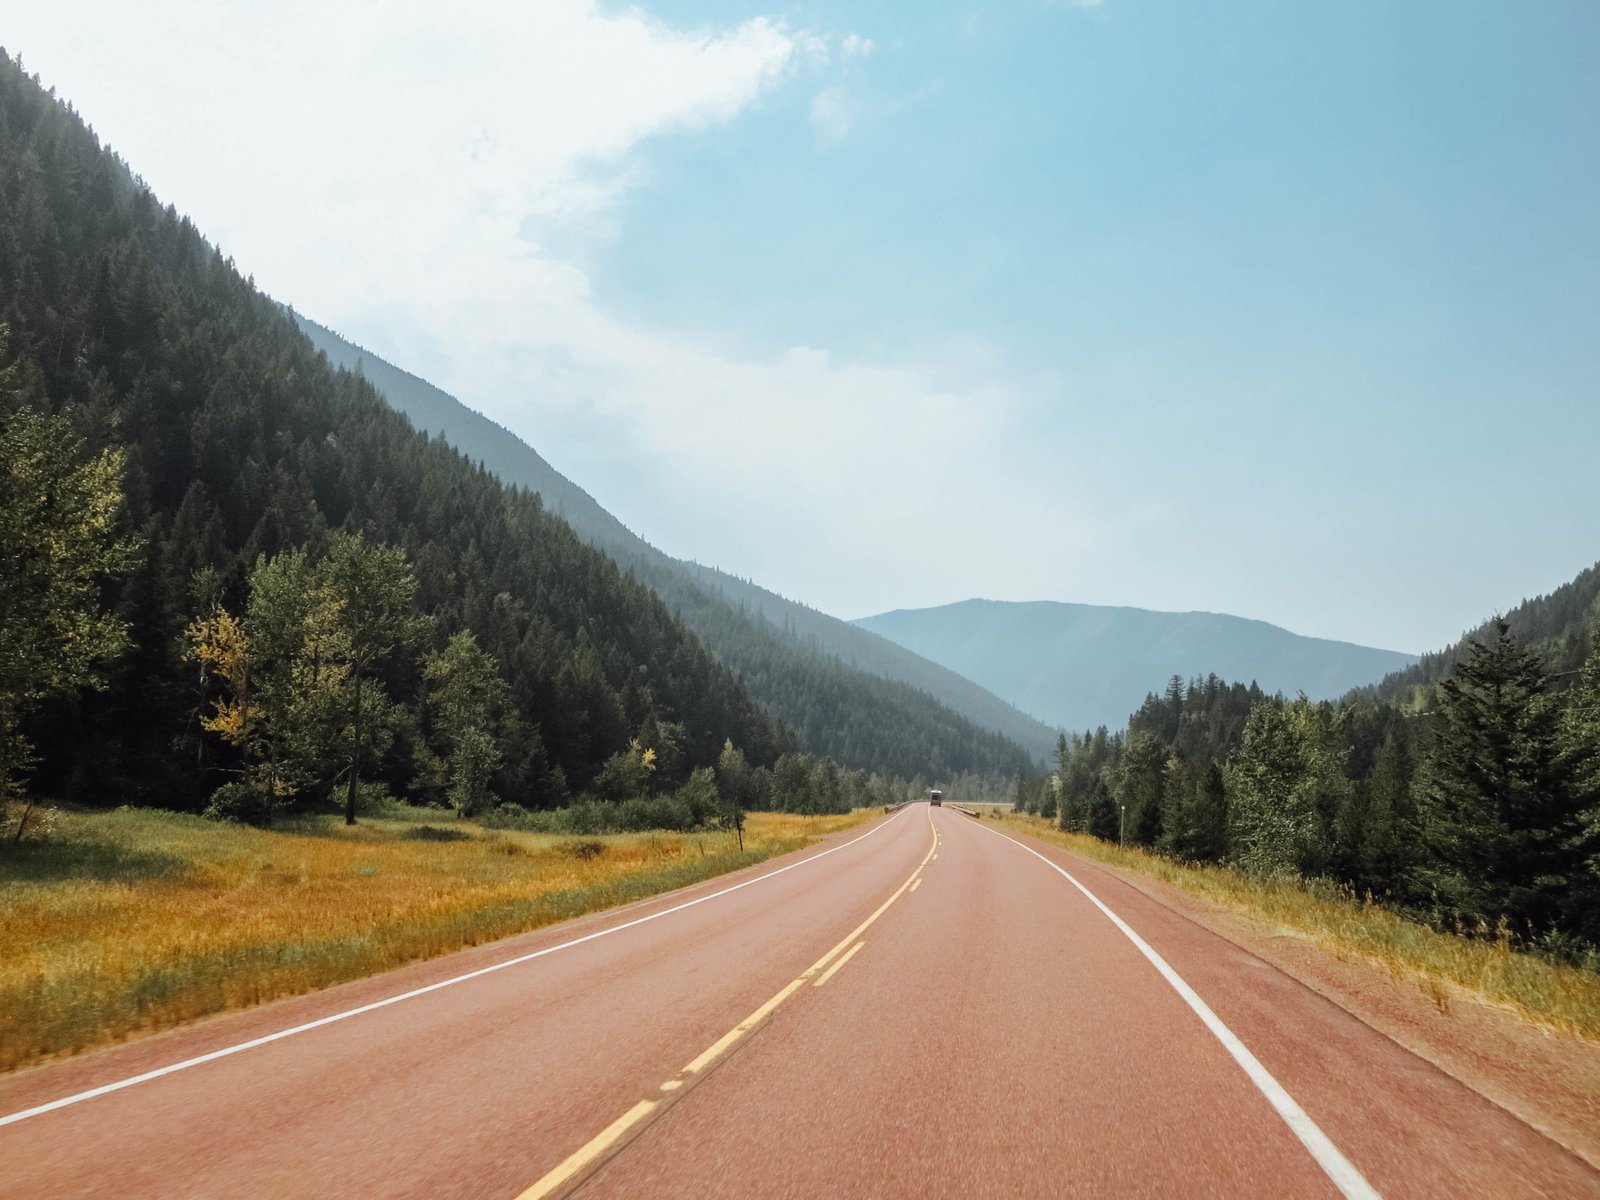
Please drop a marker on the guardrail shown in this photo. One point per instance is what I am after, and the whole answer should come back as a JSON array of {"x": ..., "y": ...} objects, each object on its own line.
[{"x": 971, "y": 812}]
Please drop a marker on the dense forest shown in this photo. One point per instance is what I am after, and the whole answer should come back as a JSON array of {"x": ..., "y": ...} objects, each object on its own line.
[
  {"x": 234, "y": 577},
  {"x": 1557, "y": 623},
  {"x": 847, "y": 693},
  {"x": 1464, "y": 791}
]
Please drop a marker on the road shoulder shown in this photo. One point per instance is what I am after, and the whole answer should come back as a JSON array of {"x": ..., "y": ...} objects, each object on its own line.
[{"x": 1548, "y": 1079}]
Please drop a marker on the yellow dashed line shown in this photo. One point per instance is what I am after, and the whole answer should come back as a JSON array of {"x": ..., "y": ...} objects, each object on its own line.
[
  {"x": 715, "y": 1050},
  {"x": 829, "y": 973},
  {"x": 609, "y": 1136},
  {"x": 596, "y": 1146}
]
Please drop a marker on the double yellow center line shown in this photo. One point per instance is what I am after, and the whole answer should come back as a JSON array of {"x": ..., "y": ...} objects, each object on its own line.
[{"x": 598, "y": 1146}]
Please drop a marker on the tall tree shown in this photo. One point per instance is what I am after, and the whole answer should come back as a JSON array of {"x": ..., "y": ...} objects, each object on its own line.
[
  {"x": 470, "y": 700},
  {"x": 736, "y": 786},
  {"x": 1504, "y": 823},
  {"x": 1285, "y": 784},
  {"x": 281, "y": 678},
  {"x": 371, "y": 587},
  {"x": 59, "y": 542},
  {"x": 1141, "y": 786}
]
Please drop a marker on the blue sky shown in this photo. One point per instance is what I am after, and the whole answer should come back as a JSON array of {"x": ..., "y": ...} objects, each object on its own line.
[{"x": 1275, "y": 309}]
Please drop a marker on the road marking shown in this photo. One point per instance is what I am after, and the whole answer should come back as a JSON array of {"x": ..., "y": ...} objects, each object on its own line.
[
  {"x": 831, "y": 971},
  {"x": 596, "y": 1146},
  {"x": 721, "y": 1045},
  {"x": 715, "y": 1051},
  {"x": 1344, "y": 1174},
  {"x": 916, "y": 885},
  {"x": 608, "y": 1137},
  {"x": 253, "y": 1043}
]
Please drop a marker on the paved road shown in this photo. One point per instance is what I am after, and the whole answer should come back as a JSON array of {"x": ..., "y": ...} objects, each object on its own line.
[{"x": 922, "y": 1008}]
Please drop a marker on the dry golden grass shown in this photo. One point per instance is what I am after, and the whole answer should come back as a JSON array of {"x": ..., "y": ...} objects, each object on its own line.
[
  {"x": 1560, "y": 997},
  {"x": 139, "y": 920}
]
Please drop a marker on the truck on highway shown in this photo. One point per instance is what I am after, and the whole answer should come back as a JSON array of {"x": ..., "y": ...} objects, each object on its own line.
[{"x": 935, "y": 797}]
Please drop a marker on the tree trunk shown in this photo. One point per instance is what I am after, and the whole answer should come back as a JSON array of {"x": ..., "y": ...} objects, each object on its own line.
[
  {"x": 355, "y": 759},
  {"x": 22, "y": 822}
]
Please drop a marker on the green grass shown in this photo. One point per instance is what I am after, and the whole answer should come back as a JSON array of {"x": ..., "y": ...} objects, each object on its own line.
[{"x": 134, "y": 920}]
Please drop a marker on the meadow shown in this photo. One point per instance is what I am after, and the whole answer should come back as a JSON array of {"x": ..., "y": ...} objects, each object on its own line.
[
  {"x": 1549, "y": 993},
  {"x": 134, "y": 920}
]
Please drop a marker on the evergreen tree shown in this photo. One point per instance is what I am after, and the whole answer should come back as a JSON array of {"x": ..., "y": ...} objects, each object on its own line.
[
  {"x": 469, "y": 697},
  {"x": 1503, "y": 823},
  {"x": 1384, "y": 850},
  {"x": 1285, "y": 785},
  {"x": 1141, "y": 787},
  {"x": 1104, "y": 820}
]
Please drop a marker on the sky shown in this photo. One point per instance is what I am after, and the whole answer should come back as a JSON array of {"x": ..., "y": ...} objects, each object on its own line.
[{"x": 1283, "y": 310}]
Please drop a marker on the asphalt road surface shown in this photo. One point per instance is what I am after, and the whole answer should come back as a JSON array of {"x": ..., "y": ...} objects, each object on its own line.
[{"x": 922, "y": 1007}]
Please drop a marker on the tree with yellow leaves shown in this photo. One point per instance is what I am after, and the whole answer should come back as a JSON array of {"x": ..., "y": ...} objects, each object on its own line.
[{"x": 281, "y": 671}]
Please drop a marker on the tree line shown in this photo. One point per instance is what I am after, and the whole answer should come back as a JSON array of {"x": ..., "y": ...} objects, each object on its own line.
[{"x": 1473, "y": 804}]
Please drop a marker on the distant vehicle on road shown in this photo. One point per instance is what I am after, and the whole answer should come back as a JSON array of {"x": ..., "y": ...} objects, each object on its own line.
[{"x": 935, "y": 797}]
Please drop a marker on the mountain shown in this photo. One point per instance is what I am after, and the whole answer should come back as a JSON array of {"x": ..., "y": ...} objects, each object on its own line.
[
  {"x": 1560, "y": 624},
  {"x": 119, "y": 321},
  {"x": 1080, "y": 666},
  {"x": 842, "y": 689}
]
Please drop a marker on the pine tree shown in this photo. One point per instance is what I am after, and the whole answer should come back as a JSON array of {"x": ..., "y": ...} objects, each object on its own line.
[
  {"x": 1103, "y": 815},
  {"x": 1503, "y": 823},
  {"x": 1141, "y": 786}
]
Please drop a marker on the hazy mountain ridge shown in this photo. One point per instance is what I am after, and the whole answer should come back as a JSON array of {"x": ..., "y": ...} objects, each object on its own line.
[
  {"x": 750, "y": 628},
  {"x": 1081, "y": 666}
]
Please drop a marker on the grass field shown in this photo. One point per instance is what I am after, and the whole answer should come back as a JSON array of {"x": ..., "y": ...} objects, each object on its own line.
[
  {"x": 136, "y": 920},
  {"x": 1561, "y": 997}
]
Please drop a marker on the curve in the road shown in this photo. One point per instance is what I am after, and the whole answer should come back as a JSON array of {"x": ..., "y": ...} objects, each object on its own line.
[{"x": 1350, "y": 1182}]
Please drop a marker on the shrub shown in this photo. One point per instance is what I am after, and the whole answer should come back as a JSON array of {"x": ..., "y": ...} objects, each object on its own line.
[
  {"x": 241, "y": 803},
  {"x": 432, "y": 833}
]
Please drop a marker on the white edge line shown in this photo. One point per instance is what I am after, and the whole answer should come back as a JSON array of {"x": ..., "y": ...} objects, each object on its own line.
[
  {"x": 1344, "y": 1174},
  {"x": 240, "y": 1047}
]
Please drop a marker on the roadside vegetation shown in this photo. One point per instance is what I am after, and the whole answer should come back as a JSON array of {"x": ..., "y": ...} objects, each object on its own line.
[
  {"x": 1463, "y": 794},
  {"x": 1551, "y": 993},
  {"x": 137, "y": 919}
]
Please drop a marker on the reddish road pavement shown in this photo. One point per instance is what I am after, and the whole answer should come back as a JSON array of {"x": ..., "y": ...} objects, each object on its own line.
[{"x": 938, "y": 1011}]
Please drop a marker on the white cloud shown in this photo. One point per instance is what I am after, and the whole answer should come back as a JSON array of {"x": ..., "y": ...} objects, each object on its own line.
[
  {"x": 832, "y": 114},
  {"x": 418, "y": 180}
]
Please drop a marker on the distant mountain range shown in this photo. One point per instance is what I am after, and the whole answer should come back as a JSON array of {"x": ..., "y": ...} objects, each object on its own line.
[
  {"x": 1079, "y": 666},
  {"x": 846, "y": 692}
]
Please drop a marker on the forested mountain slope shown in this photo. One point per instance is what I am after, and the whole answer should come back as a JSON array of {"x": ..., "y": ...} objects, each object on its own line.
[
  {"x": 240, "y": 441},
  {"x": 1559, "y": 624},
  {"x": 1464, "y": 791},
  {"x": 844, "y": 690},
  {"x": 1080, "y": 666}
]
